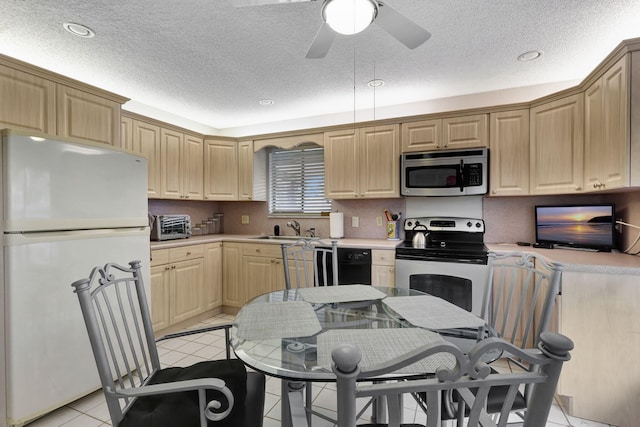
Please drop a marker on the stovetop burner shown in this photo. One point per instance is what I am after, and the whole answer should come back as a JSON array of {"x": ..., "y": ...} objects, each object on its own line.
[{"x": 447, "y": 239}]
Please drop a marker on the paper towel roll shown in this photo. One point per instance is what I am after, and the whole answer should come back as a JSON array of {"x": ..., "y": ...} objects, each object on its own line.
[{"x": 336, "y": 225}]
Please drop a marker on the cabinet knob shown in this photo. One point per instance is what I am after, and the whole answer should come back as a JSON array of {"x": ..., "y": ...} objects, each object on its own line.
[
  {"x": 167, "y": 268},
  {"x": 173, "y": 267},
  {"x": 578, "y": 188}
]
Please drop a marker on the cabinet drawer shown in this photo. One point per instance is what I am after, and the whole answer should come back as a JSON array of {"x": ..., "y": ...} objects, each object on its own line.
[
  {"x": 186, "y": 252},
  {"x": 266, "y": 250},
  {"x": 383, "y": 257},
  {"x": 159, "y": 257}
]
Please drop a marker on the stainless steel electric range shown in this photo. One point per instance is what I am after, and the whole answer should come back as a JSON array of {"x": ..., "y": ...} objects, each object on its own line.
[{"x": 450, "y": 262}]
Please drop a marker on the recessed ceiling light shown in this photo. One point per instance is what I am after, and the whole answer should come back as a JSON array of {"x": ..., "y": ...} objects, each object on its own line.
[
  {"x": 530, "y": 56},
  {"x": 375, "y": 83},
  {"x": 266, "y": 102},
  {"x": 79, "y": 30}
]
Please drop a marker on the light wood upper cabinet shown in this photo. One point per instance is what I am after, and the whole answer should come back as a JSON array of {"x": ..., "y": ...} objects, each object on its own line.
[
  {"x": 509, "y": 153},
  {"x": 465, "y": 132},
  {"x": 451, "y": 133},
  {"x": 171, "y": 164},
  {"x": 252, "y": 172},
  {"x": 27, "y": 103},
  {"x": 88, "y": 117},
  {"x": 220, "y": 170},
  {"x": 340, "y": 164},
  {"x": 193, "y": 167},
  {"x": 606, "y": 160},
  {"x": 182, "y": 165},
  {"x": 146, "y": 141},
  {"x": 556, "y": 150},
  {"x": 126, "y": 133},
  {"x": 362, "y": 163},
  {"x": 425, "y": 135}
]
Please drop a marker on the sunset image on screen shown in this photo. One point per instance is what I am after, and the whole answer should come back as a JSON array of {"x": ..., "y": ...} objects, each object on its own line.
[{"x": 575, "y": 225}]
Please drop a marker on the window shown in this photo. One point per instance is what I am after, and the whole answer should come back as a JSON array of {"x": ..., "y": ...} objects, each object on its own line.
[{"x": 296, "y": 182}]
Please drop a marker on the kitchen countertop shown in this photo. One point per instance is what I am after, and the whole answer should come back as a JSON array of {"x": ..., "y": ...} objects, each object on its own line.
[
  {"x": 245, "y": 238},
  {"x": 580, "y": 261}
]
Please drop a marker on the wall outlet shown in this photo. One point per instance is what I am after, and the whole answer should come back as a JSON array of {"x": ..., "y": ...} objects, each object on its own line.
[
  {"x": 355, "y": 221},
  {"x": 244, "y": 219},
  {"x": 379, "y": 221}
]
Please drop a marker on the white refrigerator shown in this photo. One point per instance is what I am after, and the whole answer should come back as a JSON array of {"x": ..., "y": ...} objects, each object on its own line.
[{"x": 66, "y": 207}]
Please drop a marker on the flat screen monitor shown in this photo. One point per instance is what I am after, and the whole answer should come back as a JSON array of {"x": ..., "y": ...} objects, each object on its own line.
[{"x": 577, "y": 226}]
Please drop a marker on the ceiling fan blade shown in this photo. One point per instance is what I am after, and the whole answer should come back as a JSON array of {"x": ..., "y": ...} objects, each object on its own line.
[
  {"x": 399, "y": 26},
  {"x": 321, "y": 42},
  {"x": 240, "y": 3}
]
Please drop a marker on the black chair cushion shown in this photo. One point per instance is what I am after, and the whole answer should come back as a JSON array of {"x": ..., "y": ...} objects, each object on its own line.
[{"x": 182, "y": 409}]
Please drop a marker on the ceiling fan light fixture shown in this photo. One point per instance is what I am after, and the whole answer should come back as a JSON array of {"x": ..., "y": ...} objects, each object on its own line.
[{"x": 349, "y": 16}]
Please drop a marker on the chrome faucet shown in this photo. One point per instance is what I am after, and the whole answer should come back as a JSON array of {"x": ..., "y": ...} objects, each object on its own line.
[{"x": 295, "y": 225}]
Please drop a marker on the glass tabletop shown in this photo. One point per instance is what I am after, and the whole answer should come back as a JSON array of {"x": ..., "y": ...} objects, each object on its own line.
[{"x": 290, "y": 333}]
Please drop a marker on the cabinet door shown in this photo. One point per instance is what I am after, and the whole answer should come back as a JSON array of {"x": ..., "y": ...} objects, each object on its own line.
[
  {"x": 232, "y": 284},
  {"x": 606, "y": 123},
  {"x": 192, "y": 167},
  {"x": 465, "y": 132},
  {"x": 220, "y": 170},
  {"x": 379, "y": 162},
  {"x": 187, "y": 281},
  {"x": 509, "y": 153},
  {"x": 170, "y": 164},
  {"x": 126, "y": 133},
  {"x": 213, "y": 275},
  {"x": 245, "y": 170},
  {"x": 340, "y": 164},
  {"x": 258, "y": 275},
  {"x": 557, "y": 146},
  {"x": 383, "y": 275},
  {"x": 88, "y": 117},
  {"x": 146, "y": 141},
  {"x": 27, "y": 102},
  {"x": 160, "y": 316},
  {"x": 424, "y": 135}
]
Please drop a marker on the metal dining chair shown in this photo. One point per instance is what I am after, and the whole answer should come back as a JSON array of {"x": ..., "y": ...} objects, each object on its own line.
[
  {"x": 467, "y": 374},
  {"x": 307, "y": 263},
  {"x": 137, "y": 390},
  {"x": 520, "y": 293}
]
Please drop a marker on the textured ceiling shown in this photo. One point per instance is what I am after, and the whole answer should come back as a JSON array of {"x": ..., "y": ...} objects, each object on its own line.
[{"x": 204, "y": 64}]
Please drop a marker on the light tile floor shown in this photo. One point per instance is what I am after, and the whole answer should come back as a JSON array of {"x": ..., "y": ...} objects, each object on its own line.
[{"x": 91, "y": 411}]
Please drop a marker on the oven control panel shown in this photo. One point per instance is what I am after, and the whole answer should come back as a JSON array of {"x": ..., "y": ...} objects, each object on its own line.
[{"x": 467, "y": 225}]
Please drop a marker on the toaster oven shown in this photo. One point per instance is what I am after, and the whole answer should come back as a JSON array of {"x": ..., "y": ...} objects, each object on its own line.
[{"x": 168, "y": 227}]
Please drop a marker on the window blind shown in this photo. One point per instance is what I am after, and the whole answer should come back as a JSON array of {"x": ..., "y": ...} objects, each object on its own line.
[{"x": 296, "y": 182}]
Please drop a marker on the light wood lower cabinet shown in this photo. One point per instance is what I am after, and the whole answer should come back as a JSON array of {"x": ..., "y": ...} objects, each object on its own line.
[
  {"x": 383, "y": 267},
  {"x": 262, "y": 269},
  {"x": 232, "y": 283},
  {"x": 599, "y": 312},
  {"x": 212, "y": 275},
  {"x": 177, "y": 285}
]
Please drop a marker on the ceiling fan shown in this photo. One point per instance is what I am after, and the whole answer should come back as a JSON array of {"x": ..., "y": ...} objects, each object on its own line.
[{"x": 353, "y": 16}]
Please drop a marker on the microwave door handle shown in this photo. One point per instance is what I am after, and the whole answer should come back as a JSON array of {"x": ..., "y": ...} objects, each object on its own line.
[{"x": 461, "y": 176}]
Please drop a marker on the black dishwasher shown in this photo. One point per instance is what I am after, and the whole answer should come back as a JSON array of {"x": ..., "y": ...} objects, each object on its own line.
[{"x": 354, "y": 267}]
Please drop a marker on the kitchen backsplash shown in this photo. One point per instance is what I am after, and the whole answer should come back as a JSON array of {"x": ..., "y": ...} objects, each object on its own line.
[{"x": 507, "y": 219}]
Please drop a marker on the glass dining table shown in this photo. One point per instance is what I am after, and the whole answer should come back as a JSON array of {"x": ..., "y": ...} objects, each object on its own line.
[{"x": 289, "y": 334}]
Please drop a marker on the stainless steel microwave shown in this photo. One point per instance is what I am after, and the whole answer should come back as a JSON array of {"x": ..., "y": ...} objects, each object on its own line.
[{"x": 444, "y": 173}]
